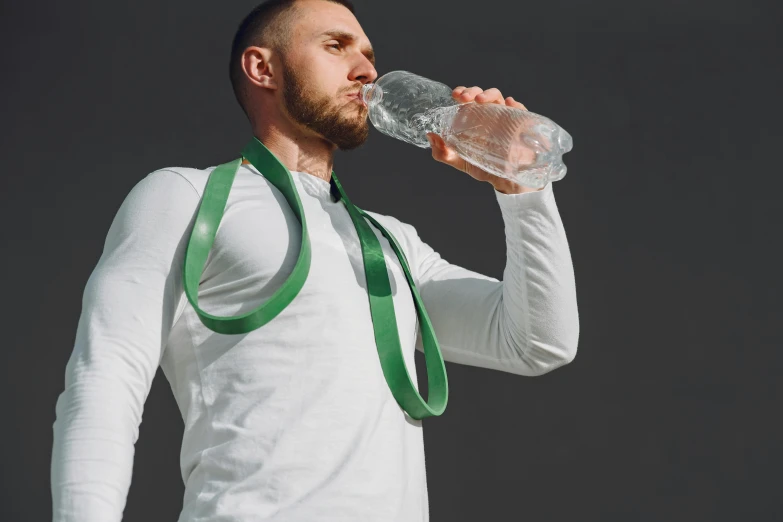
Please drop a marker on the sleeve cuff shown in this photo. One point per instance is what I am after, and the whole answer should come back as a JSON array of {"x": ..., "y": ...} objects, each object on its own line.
[{"x": 514, "y": 203}]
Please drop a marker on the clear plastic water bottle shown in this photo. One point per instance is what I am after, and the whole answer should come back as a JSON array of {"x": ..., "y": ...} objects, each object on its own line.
[{"x": 515, "y": 144}]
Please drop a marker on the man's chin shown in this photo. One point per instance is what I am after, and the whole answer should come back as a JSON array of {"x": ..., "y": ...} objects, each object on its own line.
[
  {"x": 352, "y": 142},
  {"x": 348, "y": 131}
]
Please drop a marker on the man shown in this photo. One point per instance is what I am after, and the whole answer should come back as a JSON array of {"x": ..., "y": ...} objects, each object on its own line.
[{"x": 293, "y": 421}]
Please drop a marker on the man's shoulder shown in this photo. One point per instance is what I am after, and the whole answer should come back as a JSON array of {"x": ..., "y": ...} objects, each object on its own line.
[
  {"x": 386, "y": 220},
  {"x": 195, "y": 177},
  {"x": 402, "y": 231}
]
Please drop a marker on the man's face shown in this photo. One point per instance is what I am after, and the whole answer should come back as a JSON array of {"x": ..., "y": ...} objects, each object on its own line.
[{"x": 327, "y": 63}]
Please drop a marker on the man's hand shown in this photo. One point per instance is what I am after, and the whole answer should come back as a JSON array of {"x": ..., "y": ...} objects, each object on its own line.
[{"x": 445, "y": 154}]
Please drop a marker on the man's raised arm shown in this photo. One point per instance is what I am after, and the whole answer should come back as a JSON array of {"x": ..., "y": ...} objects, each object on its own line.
[{"x": 528, "y": 323}]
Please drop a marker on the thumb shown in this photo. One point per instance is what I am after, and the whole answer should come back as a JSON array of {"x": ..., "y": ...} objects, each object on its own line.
[{"x": 439, "y": 152}]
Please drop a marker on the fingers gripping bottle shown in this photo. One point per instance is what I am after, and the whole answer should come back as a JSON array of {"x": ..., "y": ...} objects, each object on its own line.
[{"x": 512, "y": 143}]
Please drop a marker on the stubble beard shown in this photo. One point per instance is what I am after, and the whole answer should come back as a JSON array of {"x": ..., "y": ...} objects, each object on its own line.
[{"x": 346, "y": 127}]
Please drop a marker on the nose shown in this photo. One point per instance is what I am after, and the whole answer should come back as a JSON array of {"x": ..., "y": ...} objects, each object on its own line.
[{"x": 364, "y": 71}]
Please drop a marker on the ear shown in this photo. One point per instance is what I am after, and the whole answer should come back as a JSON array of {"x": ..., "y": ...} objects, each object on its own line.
[{"x": 258, "y": 67}]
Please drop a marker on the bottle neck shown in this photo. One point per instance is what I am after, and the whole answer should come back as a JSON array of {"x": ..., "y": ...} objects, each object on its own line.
[{"x": 371, "y": 93}]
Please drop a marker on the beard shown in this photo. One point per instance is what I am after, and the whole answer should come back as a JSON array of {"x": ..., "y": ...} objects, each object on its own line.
[{"x": 346, "y": 127}]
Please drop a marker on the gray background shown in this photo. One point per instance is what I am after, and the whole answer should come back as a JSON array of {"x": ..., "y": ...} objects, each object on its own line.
[{"x": 671, "y": 409}]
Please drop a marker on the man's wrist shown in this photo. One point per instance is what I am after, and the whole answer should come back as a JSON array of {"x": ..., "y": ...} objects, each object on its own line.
[{"x": 505, "y": 186}]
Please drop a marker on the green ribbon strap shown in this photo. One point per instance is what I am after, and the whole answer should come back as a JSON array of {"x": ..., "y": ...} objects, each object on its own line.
[{"x": 381, "y": 303}]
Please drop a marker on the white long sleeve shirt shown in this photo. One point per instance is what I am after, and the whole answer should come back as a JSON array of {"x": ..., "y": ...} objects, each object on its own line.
[{"x": 293, "y": 421}]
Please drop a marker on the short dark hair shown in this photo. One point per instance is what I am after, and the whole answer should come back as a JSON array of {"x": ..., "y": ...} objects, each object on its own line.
[{"x": 264, "y": 26}]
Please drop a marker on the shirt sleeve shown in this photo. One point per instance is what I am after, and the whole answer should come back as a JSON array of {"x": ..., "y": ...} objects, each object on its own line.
[
  {"x": 128, "y": 309},
  {"x": 526, "y": 324}
]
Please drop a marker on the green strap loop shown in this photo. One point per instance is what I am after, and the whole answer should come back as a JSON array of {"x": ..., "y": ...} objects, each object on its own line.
[{"x": 384, "y": 320}]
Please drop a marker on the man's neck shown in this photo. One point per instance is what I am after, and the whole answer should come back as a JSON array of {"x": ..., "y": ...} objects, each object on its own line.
[{"x": 309, "y": 154}]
